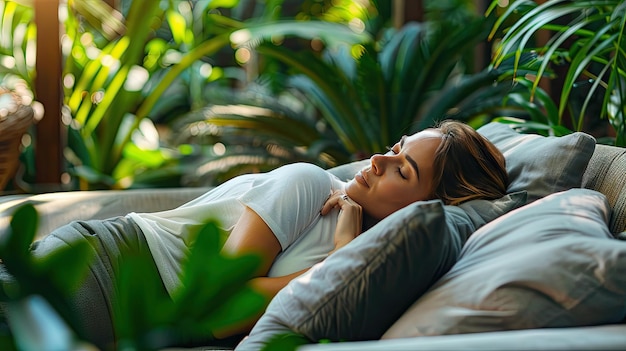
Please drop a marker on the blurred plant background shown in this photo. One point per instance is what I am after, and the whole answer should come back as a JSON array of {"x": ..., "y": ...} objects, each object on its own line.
[
  {"x": 193, "y": 92},
  {"x": 17, "y": 44},
  {"x": 180, "y": 93}
]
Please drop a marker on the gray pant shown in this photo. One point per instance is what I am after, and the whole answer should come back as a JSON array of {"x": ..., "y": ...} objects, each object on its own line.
[{"x": 92, "y": 302}]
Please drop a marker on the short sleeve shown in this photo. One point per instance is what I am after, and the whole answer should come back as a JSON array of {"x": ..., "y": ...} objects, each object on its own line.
[{"x": 289, "y": 199}]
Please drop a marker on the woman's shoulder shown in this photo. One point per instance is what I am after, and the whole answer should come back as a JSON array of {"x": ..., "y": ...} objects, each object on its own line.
[
  {"x": 302, "y": 173},
  {"x": 304, "y": 168}
]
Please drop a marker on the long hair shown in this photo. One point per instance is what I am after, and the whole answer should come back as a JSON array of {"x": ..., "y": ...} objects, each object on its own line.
[{"x": 467, "y": 166}]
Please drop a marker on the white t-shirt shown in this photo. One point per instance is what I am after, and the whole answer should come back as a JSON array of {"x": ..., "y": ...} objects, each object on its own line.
[{"x": 288, "y": 199}]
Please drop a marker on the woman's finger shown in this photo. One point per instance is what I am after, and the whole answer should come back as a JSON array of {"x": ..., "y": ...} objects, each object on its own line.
[{"x": 333, "y": 201}]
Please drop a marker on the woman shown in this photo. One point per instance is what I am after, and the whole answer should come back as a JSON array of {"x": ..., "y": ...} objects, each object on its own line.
[{"x": 292, "y": 217}]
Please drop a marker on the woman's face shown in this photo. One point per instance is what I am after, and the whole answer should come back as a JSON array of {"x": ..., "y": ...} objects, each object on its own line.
[{"x": 398, "y": 178}]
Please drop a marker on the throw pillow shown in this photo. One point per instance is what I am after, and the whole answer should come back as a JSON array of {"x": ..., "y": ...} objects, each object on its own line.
[
  {"x": 360, "y": 290},
  {"x": 552, "y": 263},
  {"x": 541, "y": 165}
]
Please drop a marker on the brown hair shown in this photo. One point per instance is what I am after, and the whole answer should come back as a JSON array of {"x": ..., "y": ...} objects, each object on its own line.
[{"x": 467, "y": 166}]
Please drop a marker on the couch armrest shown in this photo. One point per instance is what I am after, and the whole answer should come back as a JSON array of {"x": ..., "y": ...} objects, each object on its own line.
[{"x": 56, "y": 209}]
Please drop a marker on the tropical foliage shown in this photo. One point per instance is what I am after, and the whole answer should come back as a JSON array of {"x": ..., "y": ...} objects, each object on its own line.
[
  {"x": 365, "y": 96},
  {"x": 586, "y": 38},
  {"x": 17, "y": 43},
  {"x": 121, "y": 75},
  {"x": 214, "y": 295}
]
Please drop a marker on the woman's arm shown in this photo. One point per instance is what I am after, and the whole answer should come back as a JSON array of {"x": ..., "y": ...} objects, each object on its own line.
[{"x": 251, "y": 235}]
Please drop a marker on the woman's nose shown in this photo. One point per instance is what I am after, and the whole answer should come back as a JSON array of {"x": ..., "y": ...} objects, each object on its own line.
[{"x": 377, "y": 162}]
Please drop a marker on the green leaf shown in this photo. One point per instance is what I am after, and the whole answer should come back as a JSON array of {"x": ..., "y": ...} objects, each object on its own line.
[
  {"x": 23, "y": 228},
  {"x": 214, "y": 289},
  {"x": 143, "y": 305},
  {"x": 331, "y": 34},
  {"x": 65, "y": 267},
  {"x": 285, "y": 342},
  {"x": 178, "y": 26},
  {"x": 214, "y": 4}
]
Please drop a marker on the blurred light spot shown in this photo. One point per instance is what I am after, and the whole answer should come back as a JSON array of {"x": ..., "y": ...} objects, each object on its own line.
[
  {"x": 97, "y": 97},
  {"x": 108, "y": 60},
  {"x": 92, "y": 52},
  {"x": 66, "y": 178},
  {"x": 38, "y": 110},
  {"x": 317, "y": 44},
  {"x": 66, "y": 115},
  {"x": 243, "y": 55},
  {"x": 86, "y": 39},
  {"x": 78, "y": 53},
  {"x": 219, "y": 149},
  {"x": 206, "y": 69},
  {"x": 278, "y": 39},
  {"x": 137, "y": 78},
  {"x": 69, "y": 80},
  {"x": 125, "y": 182},
  {"x": 172, "y": 57},
  {"x": 357, "y": 25},
  {"x": 357, "y": 51},
  {"x": 27, "y": 140},
  {"x": 241, "y": 36},
  {"x": 7, "y": 62}
]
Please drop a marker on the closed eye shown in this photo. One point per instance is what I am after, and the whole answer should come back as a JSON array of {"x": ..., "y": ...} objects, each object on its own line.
[
  {"x": 393, "y": 152},
  {"x": 401, "y": 175}
]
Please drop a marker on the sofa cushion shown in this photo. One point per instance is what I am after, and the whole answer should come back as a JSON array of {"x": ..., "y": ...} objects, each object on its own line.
[
  {"x": 606, "y": 173},
  {"x": 361, "y": 289},
  {"x": 552, "y": 263},
  {"x": 541, "y": 165}
]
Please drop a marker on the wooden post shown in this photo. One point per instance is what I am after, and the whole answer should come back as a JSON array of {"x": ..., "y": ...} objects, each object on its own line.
[
  {"x": 48, "y": 91},
  {"x": 406, "y": 11}
]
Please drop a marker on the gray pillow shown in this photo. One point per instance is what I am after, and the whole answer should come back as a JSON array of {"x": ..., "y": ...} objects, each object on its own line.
[
  {"x": 482, "y": 211},
  {"x": 552, "y": 263},
  {"x": 360, "y": 290},
  {"x": 541, "y": 165}
]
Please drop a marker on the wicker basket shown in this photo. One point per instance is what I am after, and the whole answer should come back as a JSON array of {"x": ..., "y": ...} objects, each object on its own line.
[{"x": 15, "y": 119}]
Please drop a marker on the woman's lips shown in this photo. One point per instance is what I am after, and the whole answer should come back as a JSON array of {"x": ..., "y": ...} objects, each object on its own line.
[{"x": 360, "y": 178}]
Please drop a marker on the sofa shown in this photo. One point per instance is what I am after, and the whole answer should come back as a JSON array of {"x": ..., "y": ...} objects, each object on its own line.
[{"x": 542, "y": 268}]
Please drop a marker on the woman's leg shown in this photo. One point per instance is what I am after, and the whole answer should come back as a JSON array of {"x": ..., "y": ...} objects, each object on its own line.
[{"x": 92, "y": 303}]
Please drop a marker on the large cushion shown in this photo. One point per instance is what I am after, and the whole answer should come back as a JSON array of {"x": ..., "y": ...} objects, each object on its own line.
[
  {"x": 541, "y": 165},
  {"x": 361, "y": 289},
  {"x": 552, "y": 263}
]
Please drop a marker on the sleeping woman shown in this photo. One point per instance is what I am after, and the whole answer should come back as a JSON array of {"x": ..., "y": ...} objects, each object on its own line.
[{"x": 292, "y": 217}]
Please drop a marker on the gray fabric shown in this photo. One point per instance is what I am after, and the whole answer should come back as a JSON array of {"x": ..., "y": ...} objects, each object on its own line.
[
  {"x": 605, "y": 337},
  {"x": 482, "y": 211},
  {"x": 553, "y": 263},
  {"x": 541, "y": 165},
  {"x": 346, "y": 172},
  {"x": 606, "y": 173},
  {"x": 93, "y": 299},
  {"x": 357, "y": 292},
  {"x": 58, "y": 209},
  {"x": 360, "y": 290}
]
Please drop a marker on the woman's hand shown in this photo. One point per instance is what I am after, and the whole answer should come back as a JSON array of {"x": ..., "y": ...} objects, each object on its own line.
[{"x": 349, "y": 221}]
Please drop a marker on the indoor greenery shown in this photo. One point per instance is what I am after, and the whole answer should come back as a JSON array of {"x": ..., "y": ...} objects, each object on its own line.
[
  {"x": 17, "y": 42},
  {"x": 364, "y": 96},
  {"x": 584, "y": 38},
  {"x": 120, "y": 73},
  {"x": 214, "y": 293}
]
